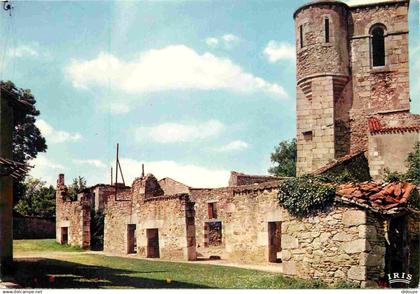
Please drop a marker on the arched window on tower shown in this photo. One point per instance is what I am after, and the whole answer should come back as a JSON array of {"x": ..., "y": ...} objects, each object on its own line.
[{"x": 377, "y": 45}]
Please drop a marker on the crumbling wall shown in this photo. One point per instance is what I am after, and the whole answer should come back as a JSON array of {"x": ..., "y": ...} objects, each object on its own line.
[
  {"x": 171, "y": 187},
  {"x": 73, "y": 215},
  {"x": 239, "y": 179},
  {"x": 145, "y": 207}
]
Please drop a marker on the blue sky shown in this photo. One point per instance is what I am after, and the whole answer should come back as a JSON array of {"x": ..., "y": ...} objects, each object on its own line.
[{"x": 217, "y": 76}]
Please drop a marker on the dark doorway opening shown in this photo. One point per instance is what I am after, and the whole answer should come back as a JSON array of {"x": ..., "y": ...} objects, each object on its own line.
[
  {"x": 64, "y": 235},
  {"x": 212, "y": 233},
  {"x": 97, "y": 230},
  {"x": 274, "y": 241},
  {"x": 131, "y": 239},
  {"x": 152, "y": 243},
  {"x": 397, "y": 250}
]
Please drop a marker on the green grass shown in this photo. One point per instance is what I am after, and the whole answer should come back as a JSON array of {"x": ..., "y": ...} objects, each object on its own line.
[
  {"x": 87, "y": 270},
  {"x": 45, "y": 245}
]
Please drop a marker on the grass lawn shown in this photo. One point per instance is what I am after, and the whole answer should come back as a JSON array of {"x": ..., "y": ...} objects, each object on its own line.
[
  {"x": 86, "y": 270},
  {"x": 47, "y": 245}
]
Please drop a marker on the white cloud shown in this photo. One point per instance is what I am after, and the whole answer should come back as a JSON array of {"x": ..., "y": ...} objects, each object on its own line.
[
  {"x": 175, "y": 67},
  {"x": 119, "y": 107},
  {"x": 236, "y": 145},
  {"x": 227, "y": 41},
  {"x": 92, "y": 162},
  {"x": 45, "y": 169},
  {"x": 24, "y": 51},
  {"x": 189, "y": 174},
  {"x": 359, "y": 2},
  {"x": 212, "y": 42},
  {"x": 55, "y": 136},
  {"x": 176, "y": 132},
  {"x": 276, "y": 51}
]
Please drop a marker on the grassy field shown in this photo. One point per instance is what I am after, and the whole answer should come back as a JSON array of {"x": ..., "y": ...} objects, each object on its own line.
[
  {"x": 86, "y": 270},
  {"x": 48, "y": 245}
]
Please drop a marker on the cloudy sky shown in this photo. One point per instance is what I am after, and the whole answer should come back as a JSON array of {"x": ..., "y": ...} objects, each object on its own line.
[{"x": 193, "y": 89}]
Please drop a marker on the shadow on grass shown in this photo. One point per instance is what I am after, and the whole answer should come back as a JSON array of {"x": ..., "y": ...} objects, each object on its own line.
[{"x": 52, "y": 273}]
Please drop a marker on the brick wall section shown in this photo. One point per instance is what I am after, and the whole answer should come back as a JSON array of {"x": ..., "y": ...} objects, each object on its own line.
[{"x": 172, "y": 215}]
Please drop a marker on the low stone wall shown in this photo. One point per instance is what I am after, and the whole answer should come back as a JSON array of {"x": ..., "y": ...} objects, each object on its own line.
[
  {"x": 30, "y": 227},
  {"x": 341, "y": 244}
]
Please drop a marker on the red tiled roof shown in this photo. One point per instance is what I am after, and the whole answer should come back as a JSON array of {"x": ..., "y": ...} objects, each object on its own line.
[
  {"x": 380, "y": 197},
  {"x": 376, "y": 128}
]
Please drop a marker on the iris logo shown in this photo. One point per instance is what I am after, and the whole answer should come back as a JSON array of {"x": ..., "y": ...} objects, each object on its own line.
[{"x": 399, "y": 278}]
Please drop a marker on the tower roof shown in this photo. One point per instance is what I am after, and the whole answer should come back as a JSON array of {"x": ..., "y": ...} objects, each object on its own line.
[{"x": 319, "y": 2}]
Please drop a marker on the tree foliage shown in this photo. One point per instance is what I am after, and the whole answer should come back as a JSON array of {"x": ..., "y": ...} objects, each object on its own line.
[
  {"x": 37, "y": 199},
  {"x": 284, "y": 159},
  {"x": 77, "y": 186},
  {"x": 27, "y": 138},
  {"x": 413, "y": 168}
]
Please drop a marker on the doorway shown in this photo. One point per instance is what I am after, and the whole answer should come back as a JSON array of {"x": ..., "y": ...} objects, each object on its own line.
[
  {"x": 274, "y": 241},
  {"x": 131, "y": 239},
  {"x": 152, "y": 243},
  {"x": 64, "y": 235},
  {"x": 397, "y": 250}
]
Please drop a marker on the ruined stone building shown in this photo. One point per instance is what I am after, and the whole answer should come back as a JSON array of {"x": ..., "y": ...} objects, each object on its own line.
[{"x": 352, "y": 99}]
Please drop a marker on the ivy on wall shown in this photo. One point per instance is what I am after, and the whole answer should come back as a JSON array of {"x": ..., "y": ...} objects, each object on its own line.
[{"x": 303, "y": 196}]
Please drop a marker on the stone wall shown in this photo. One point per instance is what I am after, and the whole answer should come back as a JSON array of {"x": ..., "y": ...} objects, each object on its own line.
[
  {"x": 31, "y": 227},
  {"x": 337, "y": 86},
  {"x": 239, "y": 179},
  {"x": 171, "y": 215},
  {"x": 381, "y": 88},
  {"x": 75, "y": 216},
  {"x": 171, "y": 187},
  {"x": 389, "y": 150},
  {"x": 332, "y": 246}
]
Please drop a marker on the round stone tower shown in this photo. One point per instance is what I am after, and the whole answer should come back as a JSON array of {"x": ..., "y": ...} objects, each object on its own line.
[{"x": 322, "y": 69}]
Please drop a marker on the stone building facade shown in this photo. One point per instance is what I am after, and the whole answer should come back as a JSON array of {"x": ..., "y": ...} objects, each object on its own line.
[{"x": 352, "y": 64}]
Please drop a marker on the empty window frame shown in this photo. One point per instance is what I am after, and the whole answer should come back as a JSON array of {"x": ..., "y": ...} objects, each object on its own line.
[
  {"x": 212, "y": 210},
  {"x": 326, "y": 30},
  {"x": 377, "y": 45},
  {"x": 301, "y": 36},
  {"x": 212, "y": 234}
]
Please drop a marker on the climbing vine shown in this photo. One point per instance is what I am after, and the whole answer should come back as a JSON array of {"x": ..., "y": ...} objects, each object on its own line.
[{"x": 303, "y": 196}]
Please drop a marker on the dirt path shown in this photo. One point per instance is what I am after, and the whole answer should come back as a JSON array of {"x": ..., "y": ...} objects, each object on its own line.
[{"x": 266, "y": 267}]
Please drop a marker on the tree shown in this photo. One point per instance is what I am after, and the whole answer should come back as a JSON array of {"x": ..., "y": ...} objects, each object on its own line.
[
  {"x": 27, "y": 138},
  {"x": 37, "y": 199},
  {"x": 284, "y": 159},
  {"x": 413, "y": 164},
  {"x": 77, "y": 186}
]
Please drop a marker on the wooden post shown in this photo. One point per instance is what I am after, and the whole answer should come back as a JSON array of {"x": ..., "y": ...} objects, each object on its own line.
[{"x": 6, "y": 189}]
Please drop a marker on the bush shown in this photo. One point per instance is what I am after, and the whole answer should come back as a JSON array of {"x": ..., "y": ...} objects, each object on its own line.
[{"x": 304, "y": 196}]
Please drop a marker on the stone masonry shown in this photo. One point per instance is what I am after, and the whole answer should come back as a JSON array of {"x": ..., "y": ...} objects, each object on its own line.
[{"x": 338, "y": 87}]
